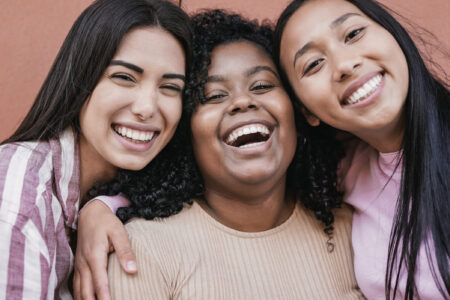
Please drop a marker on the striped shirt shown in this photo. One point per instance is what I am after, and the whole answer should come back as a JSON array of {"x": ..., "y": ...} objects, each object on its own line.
[{"x": 39, "y": 198}]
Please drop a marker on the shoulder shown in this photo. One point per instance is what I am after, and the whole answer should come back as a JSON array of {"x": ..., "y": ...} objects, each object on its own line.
[
  {"x": 163, "y": 228},
  {"x": 164, "y": 242},
  {"x": 18, "y": 154},
  {"x": 25, "y": 170},
  {"x": 308, "y": 224}
]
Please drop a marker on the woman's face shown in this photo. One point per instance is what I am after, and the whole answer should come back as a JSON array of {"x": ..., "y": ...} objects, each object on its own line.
[
  {"x": 346, "y": 69},
  {"x": 135, "y": 107},
  {"x": 245, "y": 132}
]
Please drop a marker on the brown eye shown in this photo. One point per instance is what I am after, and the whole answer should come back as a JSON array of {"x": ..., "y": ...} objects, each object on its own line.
[
  {"x": 262, "y": 86},
  {"x": 122, "y": 76},
  {"x": 214, "y": 97},
  {"x": 172, "y": 88},
  {"x": 313, "y": 65},
  {"x": 354, "y": 33}
]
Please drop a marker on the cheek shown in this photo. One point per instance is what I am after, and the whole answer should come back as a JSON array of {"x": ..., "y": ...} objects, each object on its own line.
[
  {"x": 202, "y": 126},
  {"x": 171, "y": 111}
]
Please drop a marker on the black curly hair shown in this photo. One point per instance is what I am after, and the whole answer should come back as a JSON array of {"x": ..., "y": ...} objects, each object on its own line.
[
  {"x": 172, "y": 178},
  {"x": 312, "y": 172}
]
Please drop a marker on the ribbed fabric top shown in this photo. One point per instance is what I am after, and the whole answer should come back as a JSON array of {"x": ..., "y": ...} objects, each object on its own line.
[{"x": 192, "y": 256}]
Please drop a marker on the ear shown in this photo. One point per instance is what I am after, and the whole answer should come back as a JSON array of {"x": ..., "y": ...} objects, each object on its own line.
[{"x": 310, "y": 117}]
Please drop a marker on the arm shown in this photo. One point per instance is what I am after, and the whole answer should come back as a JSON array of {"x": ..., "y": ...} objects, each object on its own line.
[
  {"x": 19, "y": 253},
  {"x": 99, "y": 233},
  {"x": 25, "y": 262}
]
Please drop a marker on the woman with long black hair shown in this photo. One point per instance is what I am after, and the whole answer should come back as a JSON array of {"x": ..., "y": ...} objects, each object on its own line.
[
  {"x": 354, "y": 67},
  {"x": 112, "y": 100}
]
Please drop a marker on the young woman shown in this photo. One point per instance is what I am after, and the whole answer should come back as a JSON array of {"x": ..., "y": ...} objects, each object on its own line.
[
  {"x": 354, "y": 67},
  {"x": 247, "y": 236},
  {"x": 112, "y": 99}
]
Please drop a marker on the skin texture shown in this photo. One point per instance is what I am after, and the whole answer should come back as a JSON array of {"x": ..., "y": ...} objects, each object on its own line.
[
  {"x": 244, "y": 184},
  {"x": 148, "y": 100},
  {"x": 341, "y": 56}
]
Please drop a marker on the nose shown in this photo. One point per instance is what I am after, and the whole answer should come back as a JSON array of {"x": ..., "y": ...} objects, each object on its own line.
[
  {"x": 346, "y": 64},
  {"x": 145, "y": 105},
  {"x": 242, "y": 103}
]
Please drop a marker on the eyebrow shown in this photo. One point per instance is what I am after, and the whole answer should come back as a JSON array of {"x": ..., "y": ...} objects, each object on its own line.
[
  {"x": 332, "y": 25},
  {"x": 126, "y": 65},
  {"x": 249, "y": 72},
  {"x": 174, "y": 76},
  {"x": 257, "y": 69},
  {"x": 342, "y": 19},
  {"x": 140, "y": 70}
]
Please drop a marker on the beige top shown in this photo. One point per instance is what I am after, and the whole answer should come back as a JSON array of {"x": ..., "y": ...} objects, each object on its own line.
[{"x": 192, "y": 256}]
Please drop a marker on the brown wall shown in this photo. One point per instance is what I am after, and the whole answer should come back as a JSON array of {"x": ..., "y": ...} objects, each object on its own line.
[{"x": 31, "y": 33}]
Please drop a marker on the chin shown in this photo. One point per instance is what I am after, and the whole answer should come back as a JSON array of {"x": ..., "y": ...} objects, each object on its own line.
[
  {"x": 255, "y": 177},
  {"x": 132, "y": 165}
]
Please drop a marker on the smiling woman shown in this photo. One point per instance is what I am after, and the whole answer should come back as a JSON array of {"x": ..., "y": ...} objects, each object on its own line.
[
  {"x": 136, "y": 105},
  {"x": 355, "y": 68},
  {"x": 112, "y": 99}
]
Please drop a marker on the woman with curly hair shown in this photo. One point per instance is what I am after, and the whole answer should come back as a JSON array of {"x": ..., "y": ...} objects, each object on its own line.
[
  {"x": 354, "y": 67},
  {"x": 247, "y": 235},
  {"x": 112, "y": 99}
]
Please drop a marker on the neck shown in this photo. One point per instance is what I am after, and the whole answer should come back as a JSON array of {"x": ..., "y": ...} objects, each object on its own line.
[
  {"x": 93, "y": 170},
  {"x": 247, "y": 213},
  {"x": 386, "y": 140}
]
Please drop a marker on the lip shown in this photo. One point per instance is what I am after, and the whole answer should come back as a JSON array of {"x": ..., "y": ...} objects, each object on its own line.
[
  {"x": 369, "y": 99},
  {"x": 355, "y": 85},
  {"x": 140, "y": 127},
  {"x": 132, "y": 146},
  {"x": 240, "y": 124},
  {"x": 254, "y": 150}
]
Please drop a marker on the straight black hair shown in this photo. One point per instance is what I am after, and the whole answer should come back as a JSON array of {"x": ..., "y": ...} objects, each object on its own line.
[
  {"x": 422, "y": 216},
  {"x": 85, "y": 54}
]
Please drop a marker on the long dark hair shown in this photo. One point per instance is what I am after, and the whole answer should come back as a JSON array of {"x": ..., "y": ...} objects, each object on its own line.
[
  {"x": 423, "y": 206},
  {"x": 85, "y": 54},
  {"x": 313, "y": 179}
]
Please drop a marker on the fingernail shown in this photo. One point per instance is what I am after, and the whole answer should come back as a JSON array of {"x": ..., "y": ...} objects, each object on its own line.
[{"x": 131, "y": 266}]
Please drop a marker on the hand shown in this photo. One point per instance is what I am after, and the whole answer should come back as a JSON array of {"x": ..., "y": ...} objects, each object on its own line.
[{"x": 99, "y": 233}]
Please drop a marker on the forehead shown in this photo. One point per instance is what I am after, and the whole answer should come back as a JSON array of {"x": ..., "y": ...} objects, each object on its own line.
[
  {"x": 313, "y": 18},
  {"x": 151, "y": 44},
  {"x": 237, "y": 57}
]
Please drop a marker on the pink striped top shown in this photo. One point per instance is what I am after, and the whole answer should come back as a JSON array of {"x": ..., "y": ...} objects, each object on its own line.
[{"x": 39, "y": 198}]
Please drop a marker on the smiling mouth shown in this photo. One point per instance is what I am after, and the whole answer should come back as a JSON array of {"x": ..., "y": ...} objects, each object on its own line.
[
  {"x": 249, "y": 135},
  {"x": 133, "y": 135},
  {"x": 364, "y": 91}
]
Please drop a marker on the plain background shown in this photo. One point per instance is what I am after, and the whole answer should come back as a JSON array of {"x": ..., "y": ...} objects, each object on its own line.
[{"x": 32, "y": 31}]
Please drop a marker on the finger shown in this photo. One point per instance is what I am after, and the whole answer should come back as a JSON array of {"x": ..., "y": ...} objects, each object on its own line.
[
  {"x": 122, "y": 246},
  {"x": 86, "y": 285},
  {"x": 76, "y": 285},
  {"x": 98, "y": 264}
]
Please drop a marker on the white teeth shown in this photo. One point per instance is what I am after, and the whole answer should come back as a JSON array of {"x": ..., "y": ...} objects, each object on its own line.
[
  {"x": 366, "y": 90},
  {"x": 137, "y": 135},
  {"x": 247, "y": 129},
  {"x": 251, "y": 145}
]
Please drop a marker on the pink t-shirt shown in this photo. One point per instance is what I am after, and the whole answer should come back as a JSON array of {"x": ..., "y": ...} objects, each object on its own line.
[{"x": 366, "y": 173}]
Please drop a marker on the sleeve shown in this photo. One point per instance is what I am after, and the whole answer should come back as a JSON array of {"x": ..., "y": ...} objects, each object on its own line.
[
  {"x": 149, "y": 282},
  {"x": 24, "y": 264},
  {"x": 24, "y": 257},
  {"x": 113, "y": 202}
]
